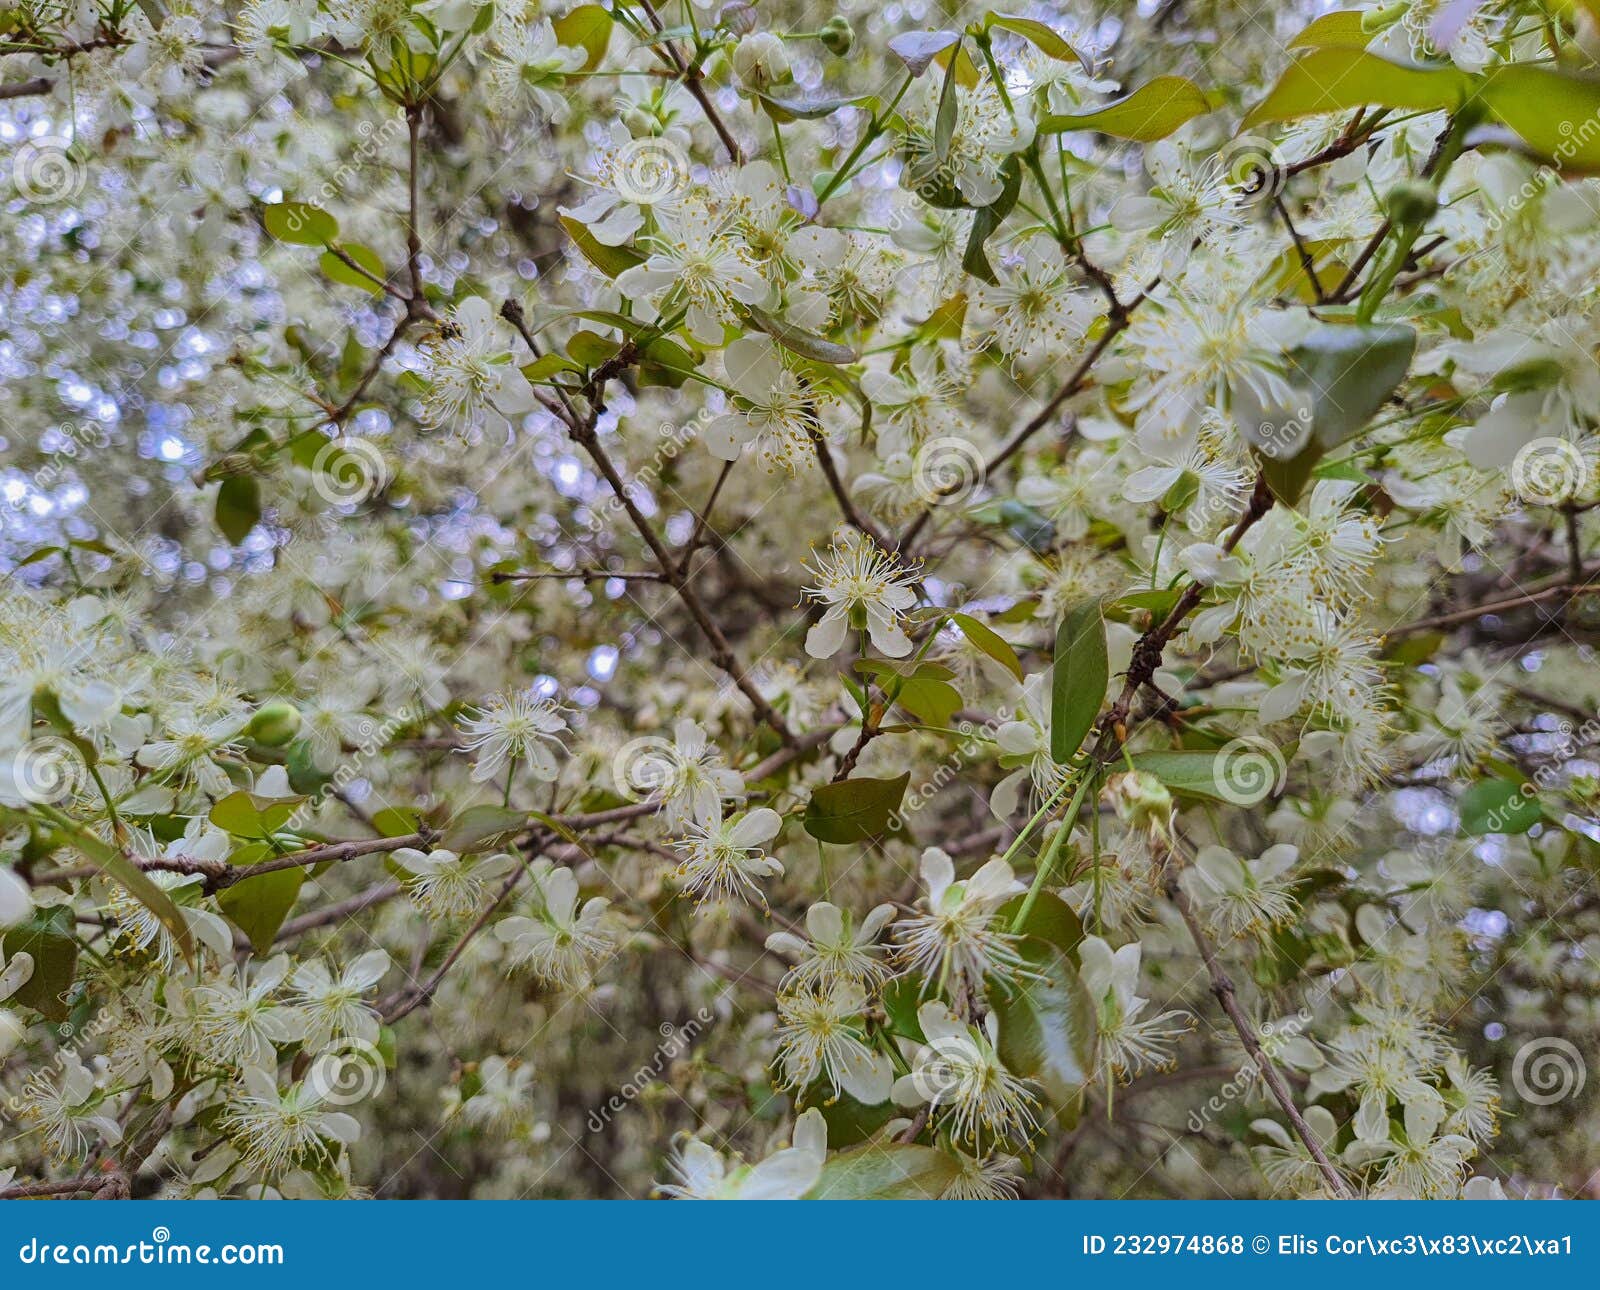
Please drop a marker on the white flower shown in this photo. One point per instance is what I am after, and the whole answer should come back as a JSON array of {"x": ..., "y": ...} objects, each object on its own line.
[
  {"x": 957, "y": 941},
  {"x": 694, "y": 782},
  {"x": 1129, "y": 1042},
  {"x": 448, "y": 885},
  {"x": 836, "y": 951},
  {"x": 471, "y": 371},
  {"x": 274, "y": 1129},
  {"x": 722, "y": 859},
  {"x": 695, "y": 265},
  {"x": 776, "y": 410},
  {"x": 504, "y": 1096},
  {"x": 1036, "y": 307},
  {"x": 1242, "y": 896},
  {"x": 704, "y": 1174},
  {"x": 821, "y": 1037},
  {"x": 519, "y": 728},
  {"x": 335, "y": 1007},
  {"x": 959, "y": 1074},
  {"x": 862, "y": 587},
  {"x": 561, "y": 942},
  {"x": 236, "y": 1020},
  {"x": 16, "y": 902},
  {"x": 68, "y": 1107}
]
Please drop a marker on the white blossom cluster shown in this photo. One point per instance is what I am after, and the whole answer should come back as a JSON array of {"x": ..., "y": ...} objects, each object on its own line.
[{"x": 1002, "y": 562}]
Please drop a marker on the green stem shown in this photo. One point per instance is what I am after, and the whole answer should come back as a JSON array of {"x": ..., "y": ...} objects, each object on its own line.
[{"x": 1047, "y": 861}]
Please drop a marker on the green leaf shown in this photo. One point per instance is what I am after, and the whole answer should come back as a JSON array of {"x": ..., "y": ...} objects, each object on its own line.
[
  {"x": 901, "y": 998},
  {"x": 588, "y": 27},
  {"x": 590, "y": 348},
  {"x": 1498, "y": 806},
  {"x": 1336, "y": 79},
  {"x": 945, "y": 322},
  {"x": 988, "y": 219},
  {"x": 801, "y": 342},
  {"x": 119, "y": 868},
  {"x": 1050, "y": 928},
  {"x": 481, "y": 828},
  {"x": 990, "y": 642},
  {"x": 245, "y": 815},
  {"x": 366, "y": 257},
  {"x": 854, "y": 810},
  {"x": 784, "y": 111},
  {"x": 548, "y": 366},
  {"x": 610, "y": 260},
  {"x": 397, "y": 821},
  {"x": 885, "y": 1171},
  {"x": 848, "y": 1121},
  {"x": 1341, "y": 376},
  {"x": 1212, "y": 776},
  {"x": 1344, "y": 28},
  {"x": 238, "y": 507},
  {"x": 1554, "y": 111},
  {"x": 1078, "y": 684},
  {"x": 1151, "y": 112},
  {"x": 257, "y": 906},
  {"x": 1045, "y": 39},
  {"x": 944, "y": 120},
  {"x": 922, "y": 689},
  {"x": 46, "y": 935},
  {"x": 1048, "y": 1030},
  {"x": 301, "y": 223}
]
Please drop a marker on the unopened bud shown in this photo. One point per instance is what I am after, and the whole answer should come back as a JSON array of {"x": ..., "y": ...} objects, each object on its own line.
[
  {"x": 1410, "y": 202},
  {"x": 836, "y": 36},
  {"x": 274, "y": 724}
]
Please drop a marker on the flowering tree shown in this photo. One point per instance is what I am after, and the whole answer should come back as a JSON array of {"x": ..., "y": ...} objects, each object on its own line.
[{"x": 752, "y": 602}]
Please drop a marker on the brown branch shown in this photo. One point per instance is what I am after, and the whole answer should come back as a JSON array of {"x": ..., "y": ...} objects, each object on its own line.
[
  {"x": 1222, "y": 987},
  {"x": 581, "y": 429}
]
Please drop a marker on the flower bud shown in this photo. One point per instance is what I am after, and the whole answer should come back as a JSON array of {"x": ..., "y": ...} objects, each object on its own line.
[
  {"x": 1411, "y": 203},
  {"x": 274, "y": 724},
  {"x": 836, "y": 36},
  {"x": 760, "y": 61},
  {"x": 1142, "y": 801}
]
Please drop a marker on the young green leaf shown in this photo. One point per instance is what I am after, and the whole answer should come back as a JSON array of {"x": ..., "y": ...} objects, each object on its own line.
[{"x": 1078, "y": 683}]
